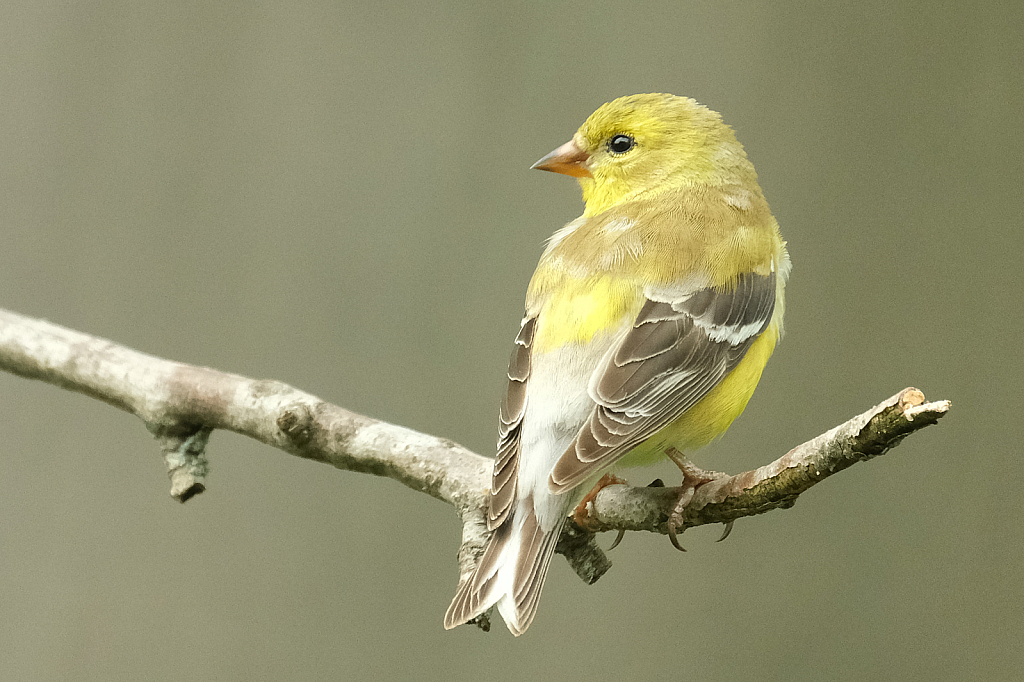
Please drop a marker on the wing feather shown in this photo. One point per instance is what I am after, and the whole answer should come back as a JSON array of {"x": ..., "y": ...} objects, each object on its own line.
[{"x": 510, "y": 425}]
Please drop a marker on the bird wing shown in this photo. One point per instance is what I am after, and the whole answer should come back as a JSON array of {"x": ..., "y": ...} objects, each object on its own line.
[
  {"x": 680, "y": 347},
  {"x": 510, "y": 426}
]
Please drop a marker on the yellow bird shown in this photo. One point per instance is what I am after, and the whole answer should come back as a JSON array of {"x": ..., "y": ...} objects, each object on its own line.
[{"x": 648, "y": 323}]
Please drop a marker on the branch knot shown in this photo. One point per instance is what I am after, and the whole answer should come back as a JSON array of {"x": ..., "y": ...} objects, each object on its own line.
[{"x": 296, "y": 422}]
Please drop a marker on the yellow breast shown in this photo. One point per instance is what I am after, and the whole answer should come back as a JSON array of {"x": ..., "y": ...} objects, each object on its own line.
[{"x": 583, "y": 308}]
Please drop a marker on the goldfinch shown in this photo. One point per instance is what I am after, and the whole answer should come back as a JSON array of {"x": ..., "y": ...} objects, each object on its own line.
[{"x": 648, "y": 323}]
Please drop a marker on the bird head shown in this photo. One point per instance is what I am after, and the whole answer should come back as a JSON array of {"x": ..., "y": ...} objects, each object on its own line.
[{"x": 643, "y": 145}]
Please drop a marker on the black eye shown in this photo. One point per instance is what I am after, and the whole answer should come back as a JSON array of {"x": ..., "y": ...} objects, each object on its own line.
[{"x": 620, "y": 144}]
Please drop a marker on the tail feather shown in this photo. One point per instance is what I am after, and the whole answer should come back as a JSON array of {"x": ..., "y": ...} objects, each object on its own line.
[
  {"x": 529, "y": 584},
  {"x": 473, "y": 596},
  {"x": 510, "y": 573}
]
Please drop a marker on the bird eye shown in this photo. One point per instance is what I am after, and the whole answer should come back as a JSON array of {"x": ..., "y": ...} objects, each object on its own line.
[{"x": 620, "y": 144}]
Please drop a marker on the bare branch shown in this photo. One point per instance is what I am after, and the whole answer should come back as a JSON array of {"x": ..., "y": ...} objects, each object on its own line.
[
  {"x": 775, "y": 485},
  {"x": 182, "y": 404}
]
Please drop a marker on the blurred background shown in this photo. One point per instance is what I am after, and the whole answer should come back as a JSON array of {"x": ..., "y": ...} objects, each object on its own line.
[{"x": 337, "y": 195}]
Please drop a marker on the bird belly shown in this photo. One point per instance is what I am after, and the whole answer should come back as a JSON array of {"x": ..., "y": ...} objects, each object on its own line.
[{"x": 557, "y": 404}]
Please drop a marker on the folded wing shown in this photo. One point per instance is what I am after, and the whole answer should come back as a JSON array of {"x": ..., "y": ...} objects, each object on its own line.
[
  {"x": 680, "y": 347},
  {"x": 510, "y": 425}
]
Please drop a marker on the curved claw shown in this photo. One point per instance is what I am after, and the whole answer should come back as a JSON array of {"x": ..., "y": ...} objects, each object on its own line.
[
  {"x": 673, "y": 537},
  {"x": 618, "y": 539},
  {"x": 725, "y": 533}
]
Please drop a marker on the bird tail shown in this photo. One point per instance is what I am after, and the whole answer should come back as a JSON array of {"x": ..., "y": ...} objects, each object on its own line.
[{"x": 510, "y": 573}]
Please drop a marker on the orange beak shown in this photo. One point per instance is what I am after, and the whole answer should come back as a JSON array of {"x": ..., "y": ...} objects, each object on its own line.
[{"x": 569, "y": 159}]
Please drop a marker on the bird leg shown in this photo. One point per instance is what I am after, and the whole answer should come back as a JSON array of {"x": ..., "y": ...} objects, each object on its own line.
[
  {"x": 693, "y": 478},
  {"x": 581, "y": 515}
]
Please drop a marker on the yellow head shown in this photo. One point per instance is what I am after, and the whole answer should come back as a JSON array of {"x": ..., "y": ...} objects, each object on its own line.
[{"x": 642, "y": 145}]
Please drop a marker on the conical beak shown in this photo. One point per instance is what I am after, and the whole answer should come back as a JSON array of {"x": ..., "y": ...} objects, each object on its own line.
[{"x": 569, "y": 159}]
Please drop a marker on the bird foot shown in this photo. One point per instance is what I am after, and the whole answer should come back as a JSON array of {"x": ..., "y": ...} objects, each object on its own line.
[
  {"x": 581, "y": 515},
  {"x": 693, "y": 478}
]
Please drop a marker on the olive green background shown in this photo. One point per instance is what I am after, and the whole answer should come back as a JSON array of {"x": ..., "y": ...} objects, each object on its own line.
[{"x": 337, "y": 195}]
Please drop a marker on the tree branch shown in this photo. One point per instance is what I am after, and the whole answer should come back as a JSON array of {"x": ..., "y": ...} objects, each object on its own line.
[{"x": 182, "y": 404}]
